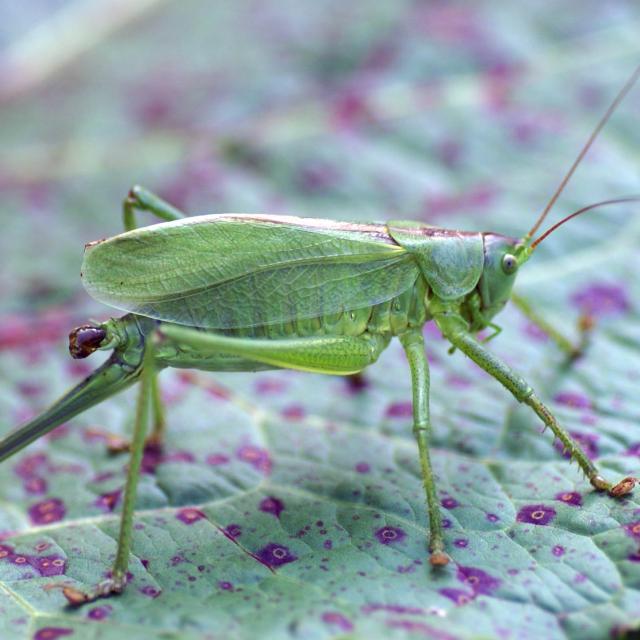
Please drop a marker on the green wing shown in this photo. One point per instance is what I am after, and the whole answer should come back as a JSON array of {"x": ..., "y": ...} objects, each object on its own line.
[{"x": 233, "y": 270}]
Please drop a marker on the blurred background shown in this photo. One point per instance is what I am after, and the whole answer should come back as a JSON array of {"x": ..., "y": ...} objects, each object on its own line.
[
  {"x": 364, "y": 110},
  {"x": 462, "y": 114}
]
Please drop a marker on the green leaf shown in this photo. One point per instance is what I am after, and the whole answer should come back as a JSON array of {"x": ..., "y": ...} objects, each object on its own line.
[{"x": 287, "y": 504}]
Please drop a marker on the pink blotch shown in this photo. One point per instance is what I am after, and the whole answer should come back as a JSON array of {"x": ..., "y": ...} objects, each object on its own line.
[
  {"x": 363, "y": 467},
  {"x": 107, "y": 502},
  {"x": 31, "y": 465},
  {"x": 538, "y": 514},
  {"x": 35, "y": 485},
  {"x": 632, "y": 529},
  {"x": 602, "y": 299},
  {"x": 449, "y": 503},
  {"x": 399, "y": 410},
  {"x": 572, "y": 498},
  {"x": 272, "y": 505},
  {"x": 275, "y": 555},
  {"x": 216, "y": 459},
  {"x": 232, "y": 531},
  {"x": 573, "y": 399},
  {"x": 457, "y": 596},
  {"x": 390, "y": 535},
  {"x": 48, "y": 565},
  {"x": 47, "y": 511},
  {"x": 534, "y": 332},
  {"x": 350, "y": 109},
  {"x": 190, "y": 515},
  {"x": 293, "y": 412},
  {"x": 258, "y": 458},
  {"x": 270, "y": 386},
  {"x": 337, "y": 619},
  {"x": 100, "y": 613},
  {"x": 52, "y": 633},
  {"x": 480, "y": 581}
]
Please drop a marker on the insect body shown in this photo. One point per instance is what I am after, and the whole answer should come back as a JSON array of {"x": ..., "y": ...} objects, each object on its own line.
[{"x": 250, "y": 292}]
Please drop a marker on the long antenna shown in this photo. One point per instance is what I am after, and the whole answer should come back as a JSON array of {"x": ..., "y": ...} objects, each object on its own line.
[
  {"x": 579, "y": 212},
  {"x": 612, "y": 107}
]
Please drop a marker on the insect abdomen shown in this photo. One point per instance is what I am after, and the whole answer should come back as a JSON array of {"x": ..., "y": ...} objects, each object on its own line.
[{"x": 389, "y": 318}]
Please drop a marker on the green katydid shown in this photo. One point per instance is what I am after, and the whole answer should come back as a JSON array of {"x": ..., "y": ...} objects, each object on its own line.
[{"x": 241, "y": 292}]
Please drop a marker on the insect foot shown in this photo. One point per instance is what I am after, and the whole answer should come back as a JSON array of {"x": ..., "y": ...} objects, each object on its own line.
[
  {"x": 438, "y": 559},
  {"x": 624, "y": 487},
  {"x": 77, "y": 597}
]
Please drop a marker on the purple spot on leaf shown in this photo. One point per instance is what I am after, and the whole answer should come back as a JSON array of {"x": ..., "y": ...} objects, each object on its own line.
[
  {"x": 269, "y": 386},
  {"x": 634, "y": 450},
  {"x": 535, "y": 332},
  {"x": 48, "y": 565},
  {"x": 275, "y": 555},
  {"x": 458, "y": 596},
  {"x": 570, "y": 497},
  {"x": 478, "y": 580},
  {"x": 558, "y": 551},
  {"x": 587, "y": 441},
  {"x": 225, "y": 586},
  {"x": 536, "y": 514},
  {"x": 338, "y": 620},
  {"x": 35, "y": 485},
  {"x": 632, "y": 529},
  {"x": 390, "y": 535},
  {"x": 108, "y": 501},
  {"x": 573, "y": 399},
  {"x": 461, "y": 543},
  {"x": 363, "y": 467},
  {"x": 190, "y": 515},
  {"x": 258, "y": 458},
  {"x": 449, "y": 503},
  {"x": 100, "y": 613},
  {"x": 31, "y": 465},
  {"x": 232, "y": 531},
  {"x": 294, "y": 412},
  {"x": 216, "y": 459},
  {"x": 272, "y": 505},
  {"x": 601, "y": 299},
  {"x": 356, "y": 383},
  {"x": 151, "y": 458},
  {"x": 399, "y": 410},
  {"x": 492, "y": 517},
  {"x": 47, "y": 511},
  {"x": 52, "y": 633},
  {"x": 149, "y": 591}
]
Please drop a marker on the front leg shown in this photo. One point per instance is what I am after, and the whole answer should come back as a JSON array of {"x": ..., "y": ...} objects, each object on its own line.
[
  {"x": 572, "y": 351},
  {"x": 454, "y": 328}
]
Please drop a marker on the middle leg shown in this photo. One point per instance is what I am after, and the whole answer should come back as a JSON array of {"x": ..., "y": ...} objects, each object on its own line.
[{"x": 413, "y": 344}]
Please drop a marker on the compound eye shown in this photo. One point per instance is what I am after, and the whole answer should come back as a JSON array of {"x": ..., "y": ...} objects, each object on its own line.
[{"x": 509, "y": 264}]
